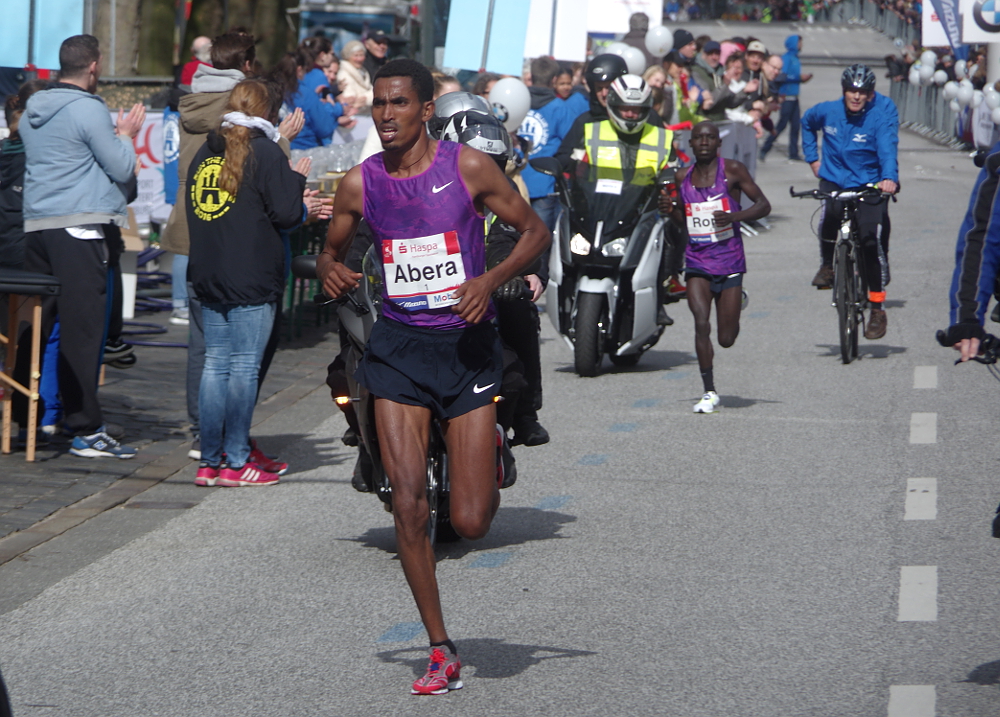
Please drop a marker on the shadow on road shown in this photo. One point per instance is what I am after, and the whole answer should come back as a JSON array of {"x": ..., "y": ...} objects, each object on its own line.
[
  {"x": 740, "y": 402},
  {"x": 987, "y": 674},
  {"x": 491, "y": 657},
  {"x": 651, "y": 361},
  {"x": 309, "y": 452},
  {"x": 511, "y": 526},
  {"x": 875, "y": 351}
]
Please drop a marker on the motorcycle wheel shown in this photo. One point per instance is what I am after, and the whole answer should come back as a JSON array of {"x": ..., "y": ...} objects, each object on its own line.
[
  {"x": 591, "y": 316},
  {"x": 439, "y": 528}
]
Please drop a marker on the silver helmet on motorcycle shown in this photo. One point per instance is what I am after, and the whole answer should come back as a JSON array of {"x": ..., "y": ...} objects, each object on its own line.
[
  {"x": 630, "y": 100},
  {"x": 451, "y": 104},
  {"x": 482, "y": 131}
]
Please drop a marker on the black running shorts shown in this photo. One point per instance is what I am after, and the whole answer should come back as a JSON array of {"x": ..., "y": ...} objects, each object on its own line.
[
  {"x": 451, "y": 372},
  {"x": 717, "y": 282}
]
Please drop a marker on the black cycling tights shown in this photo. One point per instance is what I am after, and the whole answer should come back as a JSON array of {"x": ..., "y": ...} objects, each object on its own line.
[{"x": 873, "y": 225}]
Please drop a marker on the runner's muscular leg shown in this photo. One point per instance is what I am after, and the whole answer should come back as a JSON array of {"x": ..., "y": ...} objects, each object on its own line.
[
  {"x": 728, "y": 305},
  {"x": 700, "y": 303},
  {"x": 403, "y": 432},
  {"x": 472, "y": 471}
]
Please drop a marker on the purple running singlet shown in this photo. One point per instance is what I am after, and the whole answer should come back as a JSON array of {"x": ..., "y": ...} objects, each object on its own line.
[
  {"x": 429, "y": 235},
  {"x": 712, "y": 250}
]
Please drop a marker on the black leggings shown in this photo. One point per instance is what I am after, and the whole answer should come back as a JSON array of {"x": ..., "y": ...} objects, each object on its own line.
[{"x": 873, "y": 226}]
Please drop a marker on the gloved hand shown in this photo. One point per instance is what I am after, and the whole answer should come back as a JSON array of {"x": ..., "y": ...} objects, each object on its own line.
[{"x": 511, "y": 291}]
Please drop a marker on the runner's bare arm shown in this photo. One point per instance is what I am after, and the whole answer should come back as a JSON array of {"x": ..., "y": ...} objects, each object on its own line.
[
  {"x": 348, "y": 206},
  {"x": 737, "y": 176},
  {"x": 489, "y": 188}
]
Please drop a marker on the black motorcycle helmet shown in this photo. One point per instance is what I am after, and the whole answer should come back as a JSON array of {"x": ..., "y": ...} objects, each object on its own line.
[
  {"x": 858, "y": 77},
  {"x": 604, "y": 68}
]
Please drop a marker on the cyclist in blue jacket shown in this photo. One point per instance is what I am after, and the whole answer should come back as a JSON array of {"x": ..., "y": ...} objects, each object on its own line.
[{"x": 860, "y": 138}]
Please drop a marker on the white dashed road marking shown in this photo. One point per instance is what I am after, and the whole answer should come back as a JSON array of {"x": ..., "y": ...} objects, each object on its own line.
[
  {"x": 921, "y": 499},
  {"x": 912, "y": 701},
  {"x": 917, "y": 593},
  {"x": 923, "y": 428},
  {"x": 925, "y": 377}
]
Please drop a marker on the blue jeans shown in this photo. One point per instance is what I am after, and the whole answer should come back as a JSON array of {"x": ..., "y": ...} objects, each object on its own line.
[
  {"x": 178, "y": 281},
  {"x": 235, "y": 337},
  {"x": 789, "y": 116}
]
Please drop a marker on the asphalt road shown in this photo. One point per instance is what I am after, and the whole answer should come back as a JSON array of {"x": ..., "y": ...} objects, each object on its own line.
[{"x": 776, "y": 559}]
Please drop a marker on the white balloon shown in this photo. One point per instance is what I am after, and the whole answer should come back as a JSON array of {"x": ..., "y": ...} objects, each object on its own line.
[
  {"x": 995, "y": 115},
  {"x": 992, "y": 98},
  {"x": 926, "y": 72},
  {"x": 915, "y": 78},
  {"x": 960, "y": 68},
  {"x": 955, "y": 107},
  {"x": 659, "y": 40},
  {"x": 950, "y": 90},
  {"x": 940, "y": 77},
  {"x": 929, "y": 57},
  {"x": 966, "y": 83},
  {"x": 511, "y": 101},
  {"x": 972, "y": 70},
  {"x": 977, "y": 98},
  {"x": 635, "y": 60},
  {"x": 964, "y": 96},
  {"x": 617, "y": 48}
]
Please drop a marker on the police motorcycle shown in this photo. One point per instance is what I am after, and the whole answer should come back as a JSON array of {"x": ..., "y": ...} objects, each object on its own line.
[
  {"x": 359, "y": 309},
  {"x": 609, "y": 245}
]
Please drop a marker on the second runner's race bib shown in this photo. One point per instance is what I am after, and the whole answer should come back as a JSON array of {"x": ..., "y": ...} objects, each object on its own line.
[
  {"x": 423, "y": 273},
  {"x": 701, "y": 222}
]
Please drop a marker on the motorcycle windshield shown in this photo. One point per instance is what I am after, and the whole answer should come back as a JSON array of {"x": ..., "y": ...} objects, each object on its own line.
[{"x": 616, "y": 197}]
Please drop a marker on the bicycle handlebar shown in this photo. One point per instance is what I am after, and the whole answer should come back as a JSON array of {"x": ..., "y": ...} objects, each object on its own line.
[
  {"x": 869, "y": 192},
  {"x": 989, "y": 347}
]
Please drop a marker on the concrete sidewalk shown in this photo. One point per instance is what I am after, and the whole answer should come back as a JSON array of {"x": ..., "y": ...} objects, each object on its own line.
[{"x": 59, "y": 490}]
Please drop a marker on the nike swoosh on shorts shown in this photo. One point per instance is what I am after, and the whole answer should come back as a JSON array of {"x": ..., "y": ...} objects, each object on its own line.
[{"x": 478, "y": 389}]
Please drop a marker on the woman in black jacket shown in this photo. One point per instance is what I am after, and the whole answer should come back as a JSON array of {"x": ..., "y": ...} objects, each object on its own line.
[{"x": 241, "y": 194}]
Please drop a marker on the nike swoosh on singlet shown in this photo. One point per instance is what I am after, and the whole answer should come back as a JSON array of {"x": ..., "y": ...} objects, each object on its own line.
[
  {"x": 712, "y": 199},
  {"x": 438, "y": 189},
  {"x": 477, "y": 389}
]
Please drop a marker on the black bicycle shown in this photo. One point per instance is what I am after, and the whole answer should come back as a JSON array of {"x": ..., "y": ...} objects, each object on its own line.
[{"x": 850, "y": 287}]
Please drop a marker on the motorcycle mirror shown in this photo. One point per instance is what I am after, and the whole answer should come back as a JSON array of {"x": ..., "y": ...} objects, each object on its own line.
[
  {"x": 546, "y": 165},
  {"x": 304, "y": 266}
]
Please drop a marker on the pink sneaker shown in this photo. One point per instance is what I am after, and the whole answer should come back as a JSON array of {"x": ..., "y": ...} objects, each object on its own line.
[
  {"x": 271, "y": 466},
  {"x": 207, "y": 476},
  {"x": 443, "y": 672},
  {"x": 249, "y": 474}
]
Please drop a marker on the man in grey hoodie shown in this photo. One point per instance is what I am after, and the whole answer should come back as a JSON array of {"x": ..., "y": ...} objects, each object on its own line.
[{"x": 77, "y": 165}]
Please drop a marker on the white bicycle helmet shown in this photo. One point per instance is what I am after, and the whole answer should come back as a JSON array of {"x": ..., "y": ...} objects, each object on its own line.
[{"x": 629, "y": 91}]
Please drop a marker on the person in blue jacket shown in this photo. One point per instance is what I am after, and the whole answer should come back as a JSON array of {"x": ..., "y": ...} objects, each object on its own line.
[
  {"x": 547, "y": 122},
  {"x": 860, "y": 138},
  {"x": 977, "y": 259},
  {"x": 789, "y": 93},
  {"x": 321, "y": 117}
]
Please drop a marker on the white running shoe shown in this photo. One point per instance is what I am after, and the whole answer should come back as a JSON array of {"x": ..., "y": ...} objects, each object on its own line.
[{"x": 709, "y": 403}]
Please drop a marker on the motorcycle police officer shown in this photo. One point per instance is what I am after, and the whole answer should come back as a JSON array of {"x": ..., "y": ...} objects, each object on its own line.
[{"x": 628, "y": 145}]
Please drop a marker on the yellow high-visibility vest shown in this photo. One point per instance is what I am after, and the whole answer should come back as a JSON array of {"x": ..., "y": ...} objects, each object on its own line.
[{"x": 604, "y": 150}]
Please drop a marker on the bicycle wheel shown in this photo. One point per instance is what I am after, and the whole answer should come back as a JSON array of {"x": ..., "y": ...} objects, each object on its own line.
[{"x": 845, "y": 296}]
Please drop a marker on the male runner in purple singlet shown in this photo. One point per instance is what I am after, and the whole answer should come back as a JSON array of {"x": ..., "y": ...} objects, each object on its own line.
[
  {"x": 710, "y": 209},
  {"x": 434, "y": 352}
]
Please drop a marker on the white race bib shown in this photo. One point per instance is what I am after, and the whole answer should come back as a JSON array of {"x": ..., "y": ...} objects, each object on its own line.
[
  {"x": 701, "y": 222},
  {"x": 423, "y": 273}
]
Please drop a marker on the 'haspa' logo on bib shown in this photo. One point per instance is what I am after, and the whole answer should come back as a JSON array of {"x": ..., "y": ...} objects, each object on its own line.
[
  {"x": 209, "y": 199},
  {"x": 987, "y": 15}
]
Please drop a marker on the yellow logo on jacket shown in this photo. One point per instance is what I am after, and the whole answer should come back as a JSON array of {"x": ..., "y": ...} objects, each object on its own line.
[{"x": 209, "y": 200}]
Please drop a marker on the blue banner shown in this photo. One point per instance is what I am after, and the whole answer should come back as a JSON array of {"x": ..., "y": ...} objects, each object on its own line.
[
  {"x": 55, "y": 20},
  {"x": 467, "y": 24},
  {"x": 947, "y": 12}
]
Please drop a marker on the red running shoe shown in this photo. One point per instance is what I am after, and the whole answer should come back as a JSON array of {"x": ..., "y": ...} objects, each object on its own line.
[
  {"x": 271, "y": 466},
  {"x": 442, "y": 673},
  {"x": 207, "y": 476},
  {"x": 249, "y": 474}
]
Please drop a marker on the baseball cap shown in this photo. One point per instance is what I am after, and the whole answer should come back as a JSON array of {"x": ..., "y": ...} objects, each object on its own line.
[
  {"x": 757, "y": 46},
  {"x": 711, "y": 46},
  {"x": 378, "y": 36}
]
